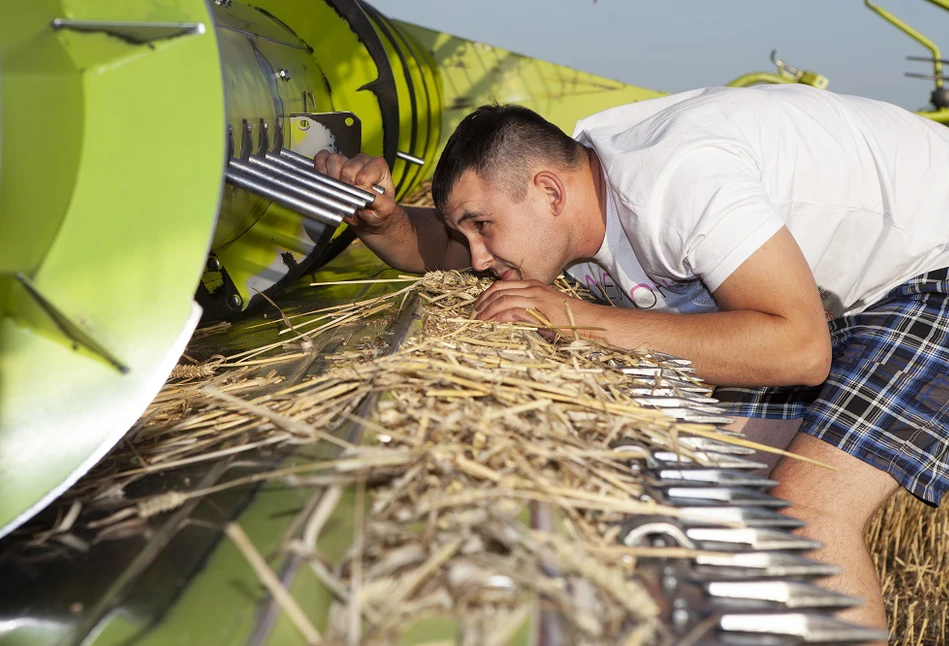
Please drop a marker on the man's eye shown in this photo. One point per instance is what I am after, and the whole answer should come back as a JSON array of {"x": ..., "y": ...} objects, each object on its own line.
[{"x": 480, "y": 225}]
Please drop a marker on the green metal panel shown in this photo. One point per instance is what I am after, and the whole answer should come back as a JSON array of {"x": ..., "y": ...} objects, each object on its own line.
[
  {"x": 472, "y": 74},
  {"x": 107, "y": 213}
]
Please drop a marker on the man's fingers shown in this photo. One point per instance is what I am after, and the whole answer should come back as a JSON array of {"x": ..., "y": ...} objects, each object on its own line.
[
  {"x": 334, "y": 165},
  {"x": 505, "y": 288},
  {"x": 498, "y": 287},
  {"x": 319, "y": 161},
  {"x": 352, "y": 167},
  {"x": 514, "y": 315},
  {"x": 496, "y": 309},
  {"x": 375, "y": 171}
]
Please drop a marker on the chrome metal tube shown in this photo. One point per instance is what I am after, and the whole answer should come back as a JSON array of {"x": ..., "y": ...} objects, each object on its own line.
[
  {"x": 304, "y": 164},
  {"x": 293, "y": 187},
  {"x": 412, "y": 159},
  {"x": 271, "y": 192},
  {"x": 295, "y": 174}
]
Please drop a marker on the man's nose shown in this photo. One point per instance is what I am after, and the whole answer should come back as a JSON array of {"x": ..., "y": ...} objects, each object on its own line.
[{"x": 480, "y": 257}]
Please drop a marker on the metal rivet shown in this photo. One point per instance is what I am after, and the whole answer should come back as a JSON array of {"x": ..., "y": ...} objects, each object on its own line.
[
  {"x": 214, "y": 264},
  {"x": 234, "y": 301},
  {"x": 283, "y": 74}
]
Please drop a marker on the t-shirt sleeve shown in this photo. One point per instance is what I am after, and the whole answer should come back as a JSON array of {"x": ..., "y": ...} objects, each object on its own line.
[{"x": 711, "y": 213}]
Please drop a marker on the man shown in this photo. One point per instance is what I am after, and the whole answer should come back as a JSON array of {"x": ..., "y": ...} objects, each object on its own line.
[{"x": 729, "y": 225}]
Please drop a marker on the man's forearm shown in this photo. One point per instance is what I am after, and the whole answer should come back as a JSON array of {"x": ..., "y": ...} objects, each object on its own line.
[
  {"x": 738, "y": 348},
  {"x": 415, "y": 239}
]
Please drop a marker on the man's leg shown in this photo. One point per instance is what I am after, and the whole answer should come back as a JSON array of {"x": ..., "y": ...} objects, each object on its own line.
[
  {"x": 776, "y": 433},
  {"x": 837, "y": 506}
]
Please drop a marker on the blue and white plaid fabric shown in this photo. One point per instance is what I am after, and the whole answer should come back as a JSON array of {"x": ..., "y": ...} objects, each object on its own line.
[{"x": 886, "y": 401}]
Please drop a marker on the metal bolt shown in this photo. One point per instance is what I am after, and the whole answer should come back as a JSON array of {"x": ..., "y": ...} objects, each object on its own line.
[
  {"x": 234, "y": 301},
  {"x": 214, "y": 264},
  {"x": 283, "y": 74}
]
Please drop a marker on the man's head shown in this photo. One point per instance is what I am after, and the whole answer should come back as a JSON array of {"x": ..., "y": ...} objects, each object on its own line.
[{"x": 502, "y": 181}]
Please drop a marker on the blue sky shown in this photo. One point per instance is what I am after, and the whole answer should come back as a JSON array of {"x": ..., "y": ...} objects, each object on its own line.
[{"x": 675, "y": 45}]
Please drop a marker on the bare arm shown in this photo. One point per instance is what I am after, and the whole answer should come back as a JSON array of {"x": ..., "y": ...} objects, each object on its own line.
[
  {"x": 415, "y": 239},
  {"x": 771, "y": 330},
  {"x": 411, "y": 239}
]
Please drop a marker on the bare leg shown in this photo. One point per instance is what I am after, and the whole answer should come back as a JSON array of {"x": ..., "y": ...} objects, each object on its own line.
[
  {"x": 837, "y": 506},
  {"x": 776, "y": 433}
]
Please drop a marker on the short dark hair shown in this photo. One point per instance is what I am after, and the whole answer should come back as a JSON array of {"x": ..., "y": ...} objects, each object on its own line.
[{"x": 502, "y": 142}]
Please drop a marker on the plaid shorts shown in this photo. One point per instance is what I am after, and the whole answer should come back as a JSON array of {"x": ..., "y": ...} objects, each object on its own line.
[{"x": 886, "y": 400}]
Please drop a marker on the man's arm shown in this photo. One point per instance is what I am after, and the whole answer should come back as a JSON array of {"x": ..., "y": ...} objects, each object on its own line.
[
  {"x": 771, "y": 330},
  {"x": 411, "y": 239}
]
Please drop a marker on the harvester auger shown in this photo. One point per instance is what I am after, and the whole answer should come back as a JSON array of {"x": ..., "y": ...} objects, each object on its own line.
[{"x": 150, "y": 159}]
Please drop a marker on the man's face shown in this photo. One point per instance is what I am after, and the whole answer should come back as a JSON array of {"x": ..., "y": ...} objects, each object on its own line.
[{"x": 512, "y": 240}]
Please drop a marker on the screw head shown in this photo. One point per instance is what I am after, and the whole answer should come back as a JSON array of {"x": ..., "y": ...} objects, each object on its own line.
[
  {"x": 283, "y": 74},
  {"x": 214, "y": 264},
  {"x": 234, "y": 301}
]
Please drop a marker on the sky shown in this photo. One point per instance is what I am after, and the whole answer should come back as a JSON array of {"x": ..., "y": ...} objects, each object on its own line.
[{"x": 675, "y": 45}]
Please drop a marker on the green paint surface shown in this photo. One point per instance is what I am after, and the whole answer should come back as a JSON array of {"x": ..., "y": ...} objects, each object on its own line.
[{"x": 110, "y": 186}]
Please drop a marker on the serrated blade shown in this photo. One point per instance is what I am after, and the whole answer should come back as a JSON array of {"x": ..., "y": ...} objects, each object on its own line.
[
  {"x": 744, "y": 516},
  {"x": 708, "y": 459},
  {"x": 759, "y": 565},
  {"x": 809, "y": 628},
  {"x": 738, "y": 496},
  {"x": 749, "y": 538},
  {"x": 793, "y": 595},
  {"x": 718, "y": 477}
]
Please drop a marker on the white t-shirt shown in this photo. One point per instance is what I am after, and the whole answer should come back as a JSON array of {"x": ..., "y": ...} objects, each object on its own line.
[{"x": 698, "y": 181}]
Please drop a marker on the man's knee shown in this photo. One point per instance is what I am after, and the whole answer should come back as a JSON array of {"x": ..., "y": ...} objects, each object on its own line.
[{"x": 843, "y": 497}]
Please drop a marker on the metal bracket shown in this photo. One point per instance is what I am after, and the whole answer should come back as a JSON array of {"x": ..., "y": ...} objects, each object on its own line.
[
  {"x": 247, "y": 142},
  {"x": 277, "y": 135},
  {"x": 263, "y": 138},
  {"x": 311, "y": 132}
]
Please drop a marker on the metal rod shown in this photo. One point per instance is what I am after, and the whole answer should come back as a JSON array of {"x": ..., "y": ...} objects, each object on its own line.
[
  {"x": 296, "y": 175},
  {"x": 926, "y": 76},
  {"x": 927, "y": 59},
  {"x": 412, "y": 159},
  {"x": 287, "y": 185},
  {"x": 303, "y": 163},
  {"x": 268, "y": 191}
]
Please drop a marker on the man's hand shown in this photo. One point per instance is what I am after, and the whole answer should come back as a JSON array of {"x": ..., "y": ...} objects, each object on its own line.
[
  {"x": 508, "y": 301},
  {"x": 362, "y": 171},
  {"x": 413, "y": 239}
]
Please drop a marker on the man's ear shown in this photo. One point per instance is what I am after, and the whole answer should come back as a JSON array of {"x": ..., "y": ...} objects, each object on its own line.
[{"x": 554, "y": 190}]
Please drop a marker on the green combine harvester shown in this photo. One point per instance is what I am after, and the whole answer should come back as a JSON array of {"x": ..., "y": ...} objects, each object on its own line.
[
  {"x": 156, "y": 169},
  {"x": 147, "y": 151}
]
